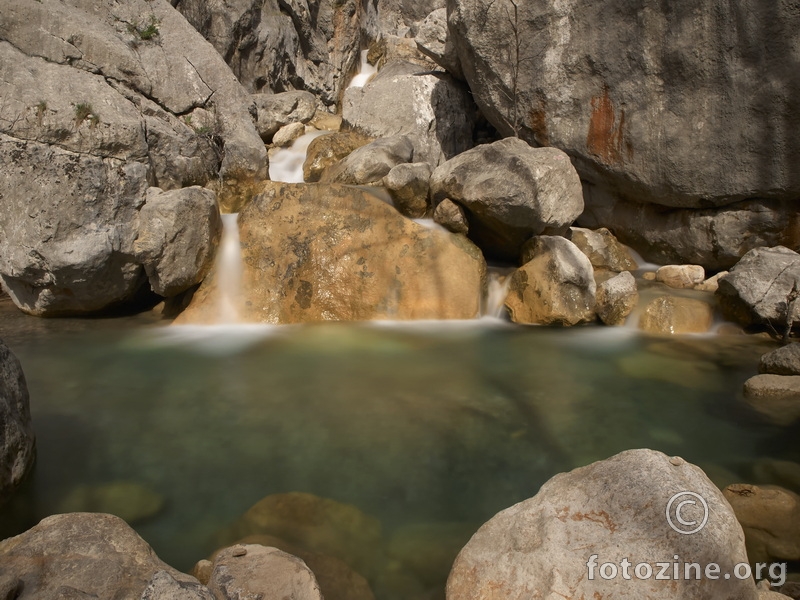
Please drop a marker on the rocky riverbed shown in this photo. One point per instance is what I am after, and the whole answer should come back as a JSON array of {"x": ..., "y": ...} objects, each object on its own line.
[{"x": 585, "y": 216}]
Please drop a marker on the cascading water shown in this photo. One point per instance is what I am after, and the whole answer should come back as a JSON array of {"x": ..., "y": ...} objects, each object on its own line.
[
  {"x": 229, "y": 267},
  {"x": 365, "y": 72},
  {"x": 286, "y": 164},
  {"x": 498, "y": 280}
]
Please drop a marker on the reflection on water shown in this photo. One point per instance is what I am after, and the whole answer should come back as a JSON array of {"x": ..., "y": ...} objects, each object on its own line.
[{"x": 430, "y": 430}]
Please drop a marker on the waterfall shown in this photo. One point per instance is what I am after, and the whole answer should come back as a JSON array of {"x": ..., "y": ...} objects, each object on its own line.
[
  {"x": 286, "y": 164},
  {"x": 498, "y": 280},
  {"x": 365, "y": 72},
  {"x": 229, "y": 268}
]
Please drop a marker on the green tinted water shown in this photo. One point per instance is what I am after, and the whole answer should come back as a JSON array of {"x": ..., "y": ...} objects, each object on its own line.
[{"x": 421, "y": 426}]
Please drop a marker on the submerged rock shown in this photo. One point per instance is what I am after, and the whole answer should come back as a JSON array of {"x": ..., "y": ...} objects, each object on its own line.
[
  {"x": 783, "y": 361},
  {"x": 434, "y": 110},
  {"x": 126, "y": 499},
  {"x": 316, "y": 524},
  {"x": 776, "y": 397},
  {"x": 606, "y": 512},
  {"x": 253, "y": 571},
  {"x": 556, "y": 287},
  {"x": 429, "y": 549},
  {"x": 676, "y": 315},
  {"x": 762, "y": 288},
  {"x": 336, "y": 253},
  {"x": 511, "y": 192},
  {"x": 770, "y": 517},
  {"x": 17, "y": 442},
  {"x": 82, "y": 555}
]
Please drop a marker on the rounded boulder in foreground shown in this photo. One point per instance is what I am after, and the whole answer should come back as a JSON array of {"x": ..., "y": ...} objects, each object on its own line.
[{"x": 606, "y": 512}]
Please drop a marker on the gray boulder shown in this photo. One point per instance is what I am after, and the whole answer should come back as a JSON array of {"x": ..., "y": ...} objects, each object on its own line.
[
  {"x": 715, "y": 238},
  {"x": 408, "y": 185},
  {"x": 17, "y": 442},
  {"x": 178, "y": 235},
  {"x": 640, "y": 95},
  {"x": 434, "y": 110},
  {"x": 400, "y": 17},
  {"x": 81, "y": 555},
  {"x": 433, "y": 41},
  {"x": 164, "y": 586},
  {"x": 273, "y": 111},
  {"x": 762, "y": 288},
  {"x": 372, "y": 162},
  {"x": 254, "y": 571},
  {"x": 782, "y": 361},
  {"x": 99, "y": 103},
  {"x": 603, "y": 249},
  {"x": 617, "y": 296},
  {"x": 282, "y": 46},
  {"x": 511, "y": 192},
  {"x": 556, "y": 287},
  {"x": 603, "y": 513}
]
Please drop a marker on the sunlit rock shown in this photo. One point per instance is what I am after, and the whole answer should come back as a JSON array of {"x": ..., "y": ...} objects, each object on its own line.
[
  {"x": 602, "y": 248},
  {"x": 327, "y": 150},
  {"x": 556, "y": 287},
  {"x": 336, "y": 253},
  {"x": 676, "y": 315},
  {"x": 775, "y": 397},
  {"x": 603, "y": 513},
  {"x": 617, "y": 297}
]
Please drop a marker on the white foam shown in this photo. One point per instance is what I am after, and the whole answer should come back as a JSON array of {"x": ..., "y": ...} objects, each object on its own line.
[
  {"x": 286, "y": 164},
  {"x": 365, "y": 72}
]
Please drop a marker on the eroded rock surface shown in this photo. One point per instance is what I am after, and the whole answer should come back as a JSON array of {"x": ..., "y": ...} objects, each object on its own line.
[{"x": 17, "y": 442}]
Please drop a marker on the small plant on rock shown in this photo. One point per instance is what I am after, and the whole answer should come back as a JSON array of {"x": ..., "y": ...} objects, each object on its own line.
[
  {"x": 147, "y": 32},
  {"x": 84, "y": 111},
  {"x": 41, "y": 108}
]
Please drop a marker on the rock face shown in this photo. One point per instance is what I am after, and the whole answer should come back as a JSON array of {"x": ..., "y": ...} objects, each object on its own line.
[
  {"x": 433, "y": 41},
  {"x": 328, "y": 252},
  {"x": 434, "y": 110},
  {"x": 81, "y": 555},
  {"x": 616, "y": 298},
  {"x": 511, "y": 192},
  {"x": 770, "y": 517},
  {"x": 281, "y": 46},
  {"x": 101, "y": 102},
  {"x": 783, "y": 361},
  {"x": 253, "y": 571},
  {"x": 612, "y": 510},
  {"x": 647, "y": 109},
  {"x": 762, "y": 288},
  {"x": 602, "y": 249},
  {"x": 676, "y": 315},
  {"x": 371, "y": 163},
  {"x": 179, "y": 232},
  {"x": 776, "y": 397},
  {"x": 556, "y": 287},
  {"x": 17, "y": 443},
  {"x": 715, "y": 238}
]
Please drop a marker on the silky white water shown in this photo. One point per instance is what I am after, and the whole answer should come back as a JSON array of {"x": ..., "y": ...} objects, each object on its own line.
[
  {"x": 229, "y": 267},
  {"x": 365, "y": 72},
  {"x": 286, "y": 164}
]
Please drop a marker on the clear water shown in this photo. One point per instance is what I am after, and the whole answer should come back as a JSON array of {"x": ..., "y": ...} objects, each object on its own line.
[{"x": 416, "y": 425}]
